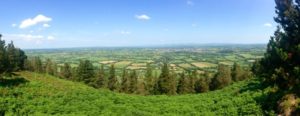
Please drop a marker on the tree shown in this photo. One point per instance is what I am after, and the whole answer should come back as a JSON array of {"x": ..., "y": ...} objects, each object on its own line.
[
  {"x": 281, "y": 65},
  {"x": 183, "y": 84},
  {"x": 37, "y": 65},
  {"x": 202, "y": 84},
  {"x": 237, "y": 72},
  {"x": 85, "y": 72},
  {"x": 133, "y": 79},
  {"x": 49, "y": 67},
  {"x": 12, "y": 57},
  {"x": 222, "y": 78},
  {"x": 141, "y": 90},
  {"x": 100, "y": 81},
  {"x": 165, "y": 83},
  {"x": 3, "y": 56},
  {"x": 149, "y": 80},
  {"x": 125, "y": 82},
  {"x": 112, "y": 80},
  {"x": 21, "y": 58},
  {"x": 66, "y": 71},
  {"x": 192, "y": 80}
]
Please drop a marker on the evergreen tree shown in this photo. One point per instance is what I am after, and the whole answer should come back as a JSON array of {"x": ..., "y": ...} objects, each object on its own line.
[
  {"x": 281, "y": 65},
  {"x": 21, "y": 58},
  {"x": 85, "y": 72},
  {"x": 149, "y": 80},
  {"x": 133, "y": 79},
  {"x": 125, "y": 82},
  {"x": 202, "y": 85},
  {"x": 141, "y": 90},
  {"x": 183, "y": 84},
  {"x": 37, "y": 65},
  {"x": 49, "y": 67},
  {"x": 165, "y": 83},
  {"x": 222, "y": 78},
  {"x": 66, "y": 71},
  {"x": 12, "y": 57},
  {"x": 192, "y": 80},
  {"x": 112, "y": 80},
  {"x": 237, "y": 72},
  {"x": 100, "y": 81},
  {"x": 3, "y": 56}
]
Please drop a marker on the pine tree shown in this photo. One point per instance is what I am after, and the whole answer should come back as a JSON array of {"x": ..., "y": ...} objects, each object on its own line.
[
  {"x": 100, "y": 81},
  {"x": 125, "y": 82},
  {"x": 183, "y": 84},
  {"x": 49, "y": 67},
  {"x": 222, "y": 78},
  {"x": 21, "y": 58},
  {"x": 133, "y": 79},
  {"x": 37, "y": 65},
  {"x": 3, "y": 56},
  {"x": 85, "y": 72},
  {"x": 281, "y": 65},
  {"x": 141, "y": 89},
  {"x": 12, "y": 57},
  {"x": 112, "y": 80},
  {"x": 192, "y": 80},
  {"x": 66, "y": 71},
  {"x": 149, "y": 80},
  {"x": 202, "y": 85},
  {"x": 237, "y": 72},
  {"x": 166, "y": 84}
]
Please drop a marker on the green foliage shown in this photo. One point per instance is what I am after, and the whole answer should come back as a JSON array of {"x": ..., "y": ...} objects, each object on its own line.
[
  {"x": 112, "y": 80},
  {"x": 202, "y": 85},
  {"x": 48, "y": 95},
  {"x": 222, "y": 78},
  {"x": 11, "y": 58},
  {"x": 66, "y": 71},
  {"x": 282, "y": 55},
  {"x": 166, "y": 82},
  {"x": 125, "y": 82},
  {"x": 183, "y": 85},
  {"x": 85, "y": 72},
  {"x": 100, "y": 81},
  {"x": 49, "y": 67},
  {"x": 133, "y": 81}
]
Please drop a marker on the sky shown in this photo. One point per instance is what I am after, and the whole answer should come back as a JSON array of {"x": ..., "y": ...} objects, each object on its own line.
[{"x": 110, "y": 23}]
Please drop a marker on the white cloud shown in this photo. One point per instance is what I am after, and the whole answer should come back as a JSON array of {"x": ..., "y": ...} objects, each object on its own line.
[
  {"x": 190, "y": 3},
  {"x": 33, "y": 21},
  {"x": 14, "y": 25},
  {"x": 125, "y": 32},
  {"x": 38, "y": 39},
  {"x": 50, "y": 37},
  {"x": 142, "y": 17},
  {"x": 46, "y": 25},
  {"x": 268, "y": 25}
]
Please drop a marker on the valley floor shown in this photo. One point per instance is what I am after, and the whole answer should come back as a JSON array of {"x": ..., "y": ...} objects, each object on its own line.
[{"x": 40, "y": 94}]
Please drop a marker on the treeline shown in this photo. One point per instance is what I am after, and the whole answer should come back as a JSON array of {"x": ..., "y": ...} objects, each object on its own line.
[
  {"x": 11, "y": 58},
  {"x": 131, "y": 82}
]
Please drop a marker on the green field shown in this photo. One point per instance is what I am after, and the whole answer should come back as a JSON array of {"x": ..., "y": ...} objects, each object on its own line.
[
  {"x": 40, "y": 94},
  {"x": 201, "y": 58}
]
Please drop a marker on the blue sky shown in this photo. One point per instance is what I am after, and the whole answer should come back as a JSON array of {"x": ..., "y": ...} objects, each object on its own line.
[{"x": 85, "y": 23}]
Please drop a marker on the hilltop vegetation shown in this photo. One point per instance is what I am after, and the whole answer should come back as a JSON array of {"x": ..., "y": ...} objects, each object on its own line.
[{"x": 41, "y": 94}]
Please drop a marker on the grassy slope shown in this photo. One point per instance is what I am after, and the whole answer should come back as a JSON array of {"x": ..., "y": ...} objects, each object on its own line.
[{"x": 49, "y": 95}]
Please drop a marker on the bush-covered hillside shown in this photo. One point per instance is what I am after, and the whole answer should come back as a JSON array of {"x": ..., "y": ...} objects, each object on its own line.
[{"x": 32, "y": 93}]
